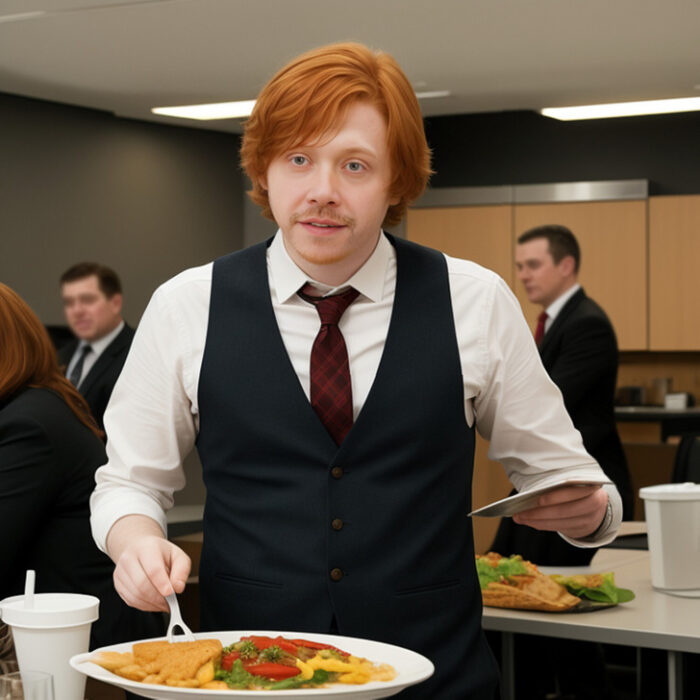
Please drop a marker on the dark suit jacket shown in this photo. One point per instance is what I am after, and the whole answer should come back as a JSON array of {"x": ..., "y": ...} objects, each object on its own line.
[
  {"x": 97, "y": 386},
  {"x": 579, "y": 352},
  {"x": 47, "y": 473}
]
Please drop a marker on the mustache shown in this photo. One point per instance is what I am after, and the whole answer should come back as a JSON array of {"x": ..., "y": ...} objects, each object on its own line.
[{"x": 322, "y": 213}]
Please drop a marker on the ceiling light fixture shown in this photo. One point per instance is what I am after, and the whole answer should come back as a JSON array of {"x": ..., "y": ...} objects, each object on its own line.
[
  {"x": 243, "y": 108},
  {"x": 623, "y": 109},
  {"x": 432, "y": 94},
  {"x": 216, "y": 110}
]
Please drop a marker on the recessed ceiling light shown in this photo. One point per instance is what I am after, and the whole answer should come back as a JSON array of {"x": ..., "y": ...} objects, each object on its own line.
[
  {"x": 432, "y": 94},
  {"x": 20, "y": 16},
  {"x": 623, "y": 109},
  {"x": 216, "y": 110},
  {"x": 243, "y": 108}
]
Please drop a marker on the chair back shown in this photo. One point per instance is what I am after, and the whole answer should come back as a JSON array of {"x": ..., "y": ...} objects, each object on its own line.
[{"x": 686, "y": 466}]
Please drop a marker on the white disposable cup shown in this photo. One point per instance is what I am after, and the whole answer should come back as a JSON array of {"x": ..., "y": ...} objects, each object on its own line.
[
  {"x": 49, "y": 633},
  {"x": 673, "y": 527}
]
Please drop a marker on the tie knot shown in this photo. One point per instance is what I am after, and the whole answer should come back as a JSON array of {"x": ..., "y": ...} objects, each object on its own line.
[
  {"x": 330, "y": 309},
  {"x": 542, "y": 317}
]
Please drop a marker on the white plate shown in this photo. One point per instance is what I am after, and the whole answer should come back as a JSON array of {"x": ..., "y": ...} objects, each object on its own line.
[
  {"x": 411, "y": 668},
  {"x": 528, "y": 499}
]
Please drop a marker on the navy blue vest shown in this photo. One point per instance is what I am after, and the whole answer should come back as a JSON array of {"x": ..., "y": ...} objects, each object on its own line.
[{"x": 374, "y": 533}]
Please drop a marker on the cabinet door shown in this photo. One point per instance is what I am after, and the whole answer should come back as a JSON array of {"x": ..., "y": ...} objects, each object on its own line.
[
  {"x": 674, "y": 289},
  {"x": 612, "y": 236},
  {"x": 482, "y": 234},
  {"x": 478, "y": 233}
]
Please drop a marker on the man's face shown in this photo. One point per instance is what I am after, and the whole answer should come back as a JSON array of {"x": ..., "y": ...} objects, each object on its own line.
[
  {"x": 89, "y": 313},
  {"x": 543, "y": 279},
  {"x": 330, "y": 197}
]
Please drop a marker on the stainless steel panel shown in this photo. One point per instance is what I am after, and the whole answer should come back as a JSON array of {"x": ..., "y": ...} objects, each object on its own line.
[
  {"x": 530, "y": 194},
  {"x": 581, "y": 191},
  {"x": 464, "y": 196}
]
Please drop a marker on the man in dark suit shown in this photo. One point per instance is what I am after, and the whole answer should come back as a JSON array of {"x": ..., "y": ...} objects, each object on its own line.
[
  {"x": 578, "y": 349},
  {"x": 92, "y": 302}
]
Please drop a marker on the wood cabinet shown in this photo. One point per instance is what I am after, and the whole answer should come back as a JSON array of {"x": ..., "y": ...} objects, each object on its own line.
[
  {"x": 479, "y": 233},
  {"x": 674, "y": 281},
  {"x": 612, "y": 236},
  {"x": 483, "y": 234}
]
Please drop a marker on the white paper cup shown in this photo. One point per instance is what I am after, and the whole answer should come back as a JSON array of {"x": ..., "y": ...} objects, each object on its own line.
[
  {"x": 48, "y": 634},
  {"x": 673, "y": 526}
]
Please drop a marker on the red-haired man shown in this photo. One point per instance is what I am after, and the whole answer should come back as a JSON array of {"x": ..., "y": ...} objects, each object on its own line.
[{"x": 357, "y": 527}]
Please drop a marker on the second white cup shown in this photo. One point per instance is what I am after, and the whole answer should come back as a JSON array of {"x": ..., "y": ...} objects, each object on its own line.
[{"x": 47, "y": 634}]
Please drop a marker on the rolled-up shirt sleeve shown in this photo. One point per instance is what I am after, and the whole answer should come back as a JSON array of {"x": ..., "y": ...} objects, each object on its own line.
[
  {"x": 514, "y": 403},
  {"x": 151, "y": 419}
]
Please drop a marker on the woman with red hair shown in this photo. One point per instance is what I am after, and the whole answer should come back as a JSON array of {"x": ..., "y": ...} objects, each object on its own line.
[{"x": 50, "y": 447}]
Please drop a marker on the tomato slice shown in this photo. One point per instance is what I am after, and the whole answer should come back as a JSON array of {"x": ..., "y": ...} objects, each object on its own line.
[
  {"x": 262, "y": 642},
  {"x": 286, "y": 645},
  {"x": 275, "y": 672},
  {"x": 228, "y": 659}
]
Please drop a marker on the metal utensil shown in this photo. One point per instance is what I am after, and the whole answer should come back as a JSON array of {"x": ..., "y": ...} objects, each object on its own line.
[{"x": 176, "y": 621}]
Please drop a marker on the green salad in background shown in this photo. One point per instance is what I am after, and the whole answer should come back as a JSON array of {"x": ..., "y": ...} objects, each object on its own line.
[{"x": 598, "y": 587}]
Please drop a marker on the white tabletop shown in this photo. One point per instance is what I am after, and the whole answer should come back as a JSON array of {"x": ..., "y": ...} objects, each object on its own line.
[{"x": 653, "y": 619}]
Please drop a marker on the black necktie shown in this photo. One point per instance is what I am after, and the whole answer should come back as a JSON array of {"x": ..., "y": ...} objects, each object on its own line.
[{"x": 77, "y": 371}]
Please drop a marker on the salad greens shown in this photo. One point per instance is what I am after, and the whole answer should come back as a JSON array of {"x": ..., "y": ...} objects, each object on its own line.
[
  {"x": 507, "y": 566},
  {"x": 599, "y": 587}
]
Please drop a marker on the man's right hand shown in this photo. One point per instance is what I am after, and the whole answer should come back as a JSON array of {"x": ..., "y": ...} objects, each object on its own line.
[{"x": 148, "y": 566}]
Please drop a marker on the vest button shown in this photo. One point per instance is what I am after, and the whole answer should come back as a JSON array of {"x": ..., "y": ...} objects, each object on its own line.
[
  {"x": 337, "y": 524},
  {"x": 337, "y": 472},
  {"x": 336, "y": 574}
]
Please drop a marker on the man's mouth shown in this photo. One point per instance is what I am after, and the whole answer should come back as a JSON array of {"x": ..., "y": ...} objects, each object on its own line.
[{"x": 322, "y": 224}]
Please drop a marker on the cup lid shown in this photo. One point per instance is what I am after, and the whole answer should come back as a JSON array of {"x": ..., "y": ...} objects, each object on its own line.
[
  {"x": 687, "y": 491},
  {"x": 50, "y": 610}
]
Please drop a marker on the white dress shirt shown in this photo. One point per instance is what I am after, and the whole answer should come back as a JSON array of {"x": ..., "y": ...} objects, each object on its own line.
[
  {"x": 557, "y": 305},
  {"x": 153, "y": 417},
  {"x": 97, "y": 348}
]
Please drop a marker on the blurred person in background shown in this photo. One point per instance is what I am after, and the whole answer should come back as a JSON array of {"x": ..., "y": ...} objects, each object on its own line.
[
  {"x": 92, "y": 303},
  {"x": 50, "y": 447},
  {"x": 578, "y": 348}
]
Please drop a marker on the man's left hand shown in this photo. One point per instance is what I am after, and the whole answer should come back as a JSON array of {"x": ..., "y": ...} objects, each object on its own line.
[{"x": 574, "y": 511}]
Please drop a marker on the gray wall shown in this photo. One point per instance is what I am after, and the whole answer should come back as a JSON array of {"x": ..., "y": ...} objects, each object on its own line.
[{"x": 146, "y": 199}]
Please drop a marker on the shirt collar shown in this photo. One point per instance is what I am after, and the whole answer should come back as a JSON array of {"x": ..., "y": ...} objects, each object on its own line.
[
  {"x": 99, "y": 346},
  {"x": 286, "y": 278},
  {"x": 558, "y": 304}
]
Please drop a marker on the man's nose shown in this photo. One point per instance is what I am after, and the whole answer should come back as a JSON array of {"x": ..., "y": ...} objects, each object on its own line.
[{"x": 323, "y": 188}]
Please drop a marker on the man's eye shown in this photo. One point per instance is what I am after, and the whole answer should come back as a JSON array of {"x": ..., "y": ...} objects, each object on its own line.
[{"x": 299, "y": 160}]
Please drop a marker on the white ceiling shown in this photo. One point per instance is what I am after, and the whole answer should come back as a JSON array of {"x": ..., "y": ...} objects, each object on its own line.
[{"x": 126, "y": 57}]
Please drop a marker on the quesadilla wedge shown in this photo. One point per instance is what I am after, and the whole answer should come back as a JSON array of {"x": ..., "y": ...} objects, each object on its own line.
[{"x": 512, "y": 582}]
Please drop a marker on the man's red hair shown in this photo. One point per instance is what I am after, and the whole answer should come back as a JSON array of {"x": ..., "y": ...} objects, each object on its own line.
[{"x": 309, "y": 98}]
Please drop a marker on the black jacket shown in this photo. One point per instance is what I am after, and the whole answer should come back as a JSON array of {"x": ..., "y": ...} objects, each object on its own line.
[
  {"x": 97, "y": 386},
  {"x": 47, "y": 466}
]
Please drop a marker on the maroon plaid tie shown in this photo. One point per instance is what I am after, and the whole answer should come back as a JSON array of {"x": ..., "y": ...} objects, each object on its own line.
[{"x": 331, "y": 392}]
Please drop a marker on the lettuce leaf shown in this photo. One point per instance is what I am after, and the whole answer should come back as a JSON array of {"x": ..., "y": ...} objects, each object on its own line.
[
  {"x": 607, "y": 592},
  {"x": 507, "y": 566}
]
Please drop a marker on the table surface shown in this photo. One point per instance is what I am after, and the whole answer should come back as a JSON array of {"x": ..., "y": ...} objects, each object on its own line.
[{"x": 653, "y": 619}]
